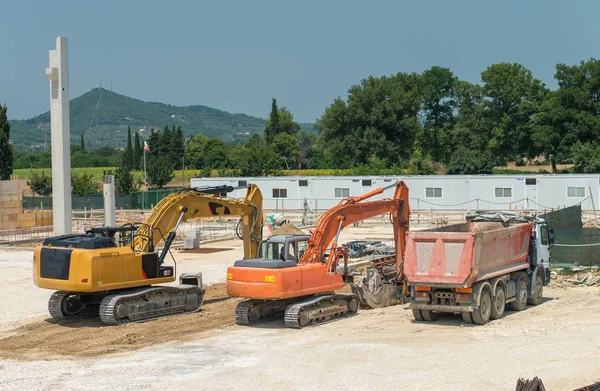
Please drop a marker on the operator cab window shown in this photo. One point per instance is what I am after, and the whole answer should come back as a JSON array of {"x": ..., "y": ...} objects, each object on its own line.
[{"x": 271, "y": 250}]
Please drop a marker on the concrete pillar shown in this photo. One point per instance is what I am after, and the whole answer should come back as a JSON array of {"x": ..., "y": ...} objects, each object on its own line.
[
  {"x": 109, "y": 200},
  {"x": 58, "y": 73}
]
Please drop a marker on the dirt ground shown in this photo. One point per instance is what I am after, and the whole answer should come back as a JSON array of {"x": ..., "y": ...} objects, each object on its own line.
[{"x": 557, "y": 341}]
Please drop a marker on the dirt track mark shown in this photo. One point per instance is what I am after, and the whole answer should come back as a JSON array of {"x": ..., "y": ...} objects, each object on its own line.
[{"x": 49, "y": 339}]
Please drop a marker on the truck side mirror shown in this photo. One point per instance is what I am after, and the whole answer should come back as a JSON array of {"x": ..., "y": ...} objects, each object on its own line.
[{"x": 551, "y": 236}]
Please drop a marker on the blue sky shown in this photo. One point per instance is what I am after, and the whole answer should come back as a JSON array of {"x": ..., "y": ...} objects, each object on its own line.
[{"x": 236, "y": 55}]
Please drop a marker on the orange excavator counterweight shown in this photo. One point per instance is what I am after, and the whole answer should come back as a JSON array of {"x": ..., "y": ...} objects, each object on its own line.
[{"x": 303, "y": 290}]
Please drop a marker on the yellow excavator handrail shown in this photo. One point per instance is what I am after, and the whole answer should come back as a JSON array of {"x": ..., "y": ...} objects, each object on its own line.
[{"x": 164, "y": 216}]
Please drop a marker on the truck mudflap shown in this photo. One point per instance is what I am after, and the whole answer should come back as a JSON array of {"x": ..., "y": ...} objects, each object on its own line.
[{"x": 442, "y": 308}]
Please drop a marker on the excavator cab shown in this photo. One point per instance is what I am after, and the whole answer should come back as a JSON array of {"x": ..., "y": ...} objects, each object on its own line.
[{"x": 283, "y": 247}]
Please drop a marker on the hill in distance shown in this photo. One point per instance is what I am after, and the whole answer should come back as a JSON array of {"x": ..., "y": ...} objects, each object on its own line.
[{"x": 103, "y": 116}]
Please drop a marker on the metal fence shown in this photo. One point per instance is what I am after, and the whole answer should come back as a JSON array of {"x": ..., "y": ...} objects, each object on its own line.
[
  {"x": 93, "y": 201},
  {"x": 147, "y": 199}
]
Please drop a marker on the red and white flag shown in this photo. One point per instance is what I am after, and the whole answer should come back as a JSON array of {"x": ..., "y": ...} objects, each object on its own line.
[{"x": 146, "y": 147}]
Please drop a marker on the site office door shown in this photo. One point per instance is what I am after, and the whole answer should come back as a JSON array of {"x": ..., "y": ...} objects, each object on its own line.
[{"x": 531, "y": 192}]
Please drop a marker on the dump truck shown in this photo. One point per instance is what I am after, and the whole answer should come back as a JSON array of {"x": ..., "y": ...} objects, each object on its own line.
[{"x": 479, "y": 267}]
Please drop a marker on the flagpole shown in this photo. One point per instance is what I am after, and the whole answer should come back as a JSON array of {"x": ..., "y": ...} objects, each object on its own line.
[{"x": 145, "y": 175}]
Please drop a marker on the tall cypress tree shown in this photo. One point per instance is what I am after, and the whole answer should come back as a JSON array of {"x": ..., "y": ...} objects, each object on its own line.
[
  {"x": 154, "y": 142},
  {"x": 177, "y": 148},
  {"x": 164, "y": 147},
  {"x": 128, "y": 154},
  {"x": 272, "y": 127},
  {"x": 82, "y": 144},
  {"x": 6, "y": 150},
  {"x": 137, "y": 152}
]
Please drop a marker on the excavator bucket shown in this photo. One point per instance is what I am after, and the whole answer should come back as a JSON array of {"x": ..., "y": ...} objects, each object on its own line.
[{"x": 373, "y": 293}]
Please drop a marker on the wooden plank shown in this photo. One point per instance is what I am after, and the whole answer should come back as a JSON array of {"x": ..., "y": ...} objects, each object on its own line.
[{"x": 10, "y": 204}]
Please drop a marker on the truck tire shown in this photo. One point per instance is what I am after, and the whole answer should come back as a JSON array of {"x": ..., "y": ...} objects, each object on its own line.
[
  {"x": 538, "y": 292},
  {"x": 482, "y": 314},
  {"x": 418, "y": 315},
  {"x": 430, "y": 316},
  {"x": 521, "y": 301},
  {"x": 499, "y": 303},
  {"x": 467, "y": 317}
]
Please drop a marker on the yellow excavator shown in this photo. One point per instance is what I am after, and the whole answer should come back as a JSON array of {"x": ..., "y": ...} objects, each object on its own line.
[{"x": 110, "y": 272}]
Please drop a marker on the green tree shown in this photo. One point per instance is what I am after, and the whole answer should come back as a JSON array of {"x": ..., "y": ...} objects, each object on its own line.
[
  {"x": 470, "y": 127},
  {"x": 124, "y": 181},
  {"x": 160, "y": 171},
  {"x": 137, "y": 152},
  {"x": 379, "y": 119},
  {"x": 438, "y": 105},
  {"x": 153, "y": 143},
  {"x": 206, "y": 153},
  {"x": 286, "y": 146},
  {"x": 81, "y": 143},
  {"x": 513, "y": 99},
  {"x": 256, "y": 158},
  {"x": 177, "y": 147},
  {"x": 165, "y": 143},
  {"x": 6, "y": 149},
  {"x": 306, "y": 149},
  {"x": 272, "y": 124},
  {"x": 586, "y": 157},
  {"x": 470, "y": 161},
  {"x": 40, "y": 184},
  {"x": 127, "y": 160},
  {"x": 84, "y": 185}
]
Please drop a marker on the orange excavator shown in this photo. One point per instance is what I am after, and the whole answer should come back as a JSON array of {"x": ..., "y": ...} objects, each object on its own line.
[{"x": 303, "y": 291}]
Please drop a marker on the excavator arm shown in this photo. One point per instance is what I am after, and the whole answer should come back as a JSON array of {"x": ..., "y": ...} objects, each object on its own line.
[
  {"x": 189, "y": 204},
  {"x": 351, "y": 210}
]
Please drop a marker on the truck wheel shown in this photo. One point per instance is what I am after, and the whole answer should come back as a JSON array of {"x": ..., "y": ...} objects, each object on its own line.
[
  {"x": 430, "y": 316},
  {"x": 418, "y": 315},
  {"x": 538, "y": 292},
  {"x": 482, "y": 314},
  {"x": 498, "y": 304},
  {"x": 467, "y": 318},
  {"x": 521, "y": 302}
]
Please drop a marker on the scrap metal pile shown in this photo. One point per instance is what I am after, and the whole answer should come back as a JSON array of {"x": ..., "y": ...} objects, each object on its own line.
[
  {"x": 361, "y": 248},
  {"x": 530, "y": 385}
]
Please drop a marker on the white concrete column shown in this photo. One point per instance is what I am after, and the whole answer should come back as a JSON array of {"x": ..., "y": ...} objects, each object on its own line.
[
  {"x": 109, "y": 200},
  {"x": 58, "y": 73}
]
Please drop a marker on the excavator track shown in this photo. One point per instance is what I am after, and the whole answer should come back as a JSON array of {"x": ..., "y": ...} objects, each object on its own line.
[
  {"x": 253, "y": 311},
  {"x": 143, "y": 304},
  {"x": 320, "y": 309},
  {"x": 59, "y": 309}
]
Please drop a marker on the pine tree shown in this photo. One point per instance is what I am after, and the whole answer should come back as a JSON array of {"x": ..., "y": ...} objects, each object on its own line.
[
  {"x": 272, "y": 125},
  {"x": 127, "y": 160},
  {"x": 164, "y": 146},
  {"x": 154, "y": 142},
  {"x": 6, "y": 149},
  {"x": 137, "y": 152},
  {"x": 82, "y": 144},
  {"x": 177, "y": 148},
  {"x": 124, "y": 180}
]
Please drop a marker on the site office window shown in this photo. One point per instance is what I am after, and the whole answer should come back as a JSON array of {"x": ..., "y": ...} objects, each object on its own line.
[
  {"x": 341, "y": 192},
  {"x": 503, "y": 192},
  {"x": 575, "y": 192},
  {"x": 433, "y": 192},
  {"x": 279, "y": 193}
]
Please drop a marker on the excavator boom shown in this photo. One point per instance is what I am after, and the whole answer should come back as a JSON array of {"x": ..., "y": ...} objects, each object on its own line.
[{"x": 202, "y": 203}]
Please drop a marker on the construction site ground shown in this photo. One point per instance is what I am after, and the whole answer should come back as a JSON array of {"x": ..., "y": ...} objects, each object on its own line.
[{"x": 557, "y": 341}]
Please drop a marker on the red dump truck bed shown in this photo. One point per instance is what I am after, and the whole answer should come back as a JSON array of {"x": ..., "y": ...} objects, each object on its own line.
[{"x": 462, "y": 254}]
